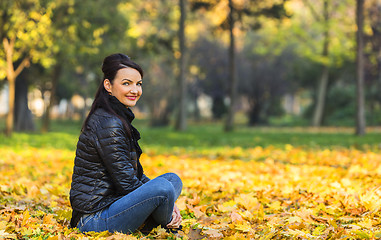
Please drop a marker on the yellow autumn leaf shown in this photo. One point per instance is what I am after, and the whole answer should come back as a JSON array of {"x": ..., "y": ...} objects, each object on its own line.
[
  {"x": 212, "y": 233},
  {"x": 48, "y": 219},
  {"x": 235, "y": 217},
  {"x": 25, "y": 218},
  {"x": 367, "y": 223},
  {"x": 248, "y": 201},
  {"x": 53, "y": 238},
  {"x": 243, "y": 227},
  {"x": 227, "y": 206},
  {"x": 371, "y": 200}
]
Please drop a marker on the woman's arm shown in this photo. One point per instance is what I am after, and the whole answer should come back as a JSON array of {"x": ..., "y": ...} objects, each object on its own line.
[
  {"x": 113, "y": 149},
  {"x": 145, "y": 179}
]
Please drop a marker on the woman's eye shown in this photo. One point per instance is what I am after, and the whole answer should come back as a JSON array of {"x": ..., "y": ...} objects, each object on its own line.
[
  {"x": 139, "y": 84},
  {"x": 126, "y": 83}
]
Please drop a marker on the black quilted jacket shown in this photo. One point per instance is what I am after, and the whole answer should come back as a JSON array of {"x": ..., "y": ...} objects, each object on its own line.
[{"x": 106, "y": 165}]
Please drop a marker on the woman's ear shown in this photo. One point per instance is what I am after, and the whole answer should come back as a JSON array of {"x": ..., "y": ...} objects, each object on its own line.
[{"x": 107, "y": 85}]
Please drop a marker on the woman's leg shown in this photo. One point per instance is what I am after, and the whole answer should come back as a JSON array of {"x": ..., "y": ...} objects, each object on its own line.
[
  {"x": 175, "y": 181},
  {"x": 155, "y": 198},
  {"x": 177, "y": 184}
]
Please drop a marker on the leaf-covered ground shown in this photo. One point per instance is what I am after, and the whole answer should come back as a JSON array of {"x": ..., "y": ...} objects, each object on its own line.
[{"x": 233, "y": 193}]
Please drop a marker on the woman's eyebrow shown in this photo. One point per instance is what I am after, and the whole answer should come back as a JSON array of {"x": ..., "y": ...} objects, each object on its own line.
[{"x": 131, "y": 80}]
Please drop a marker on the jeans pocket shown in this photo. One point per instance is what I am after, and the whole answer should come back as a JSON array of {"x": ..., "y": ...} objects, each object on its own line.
[
  {"x": 84, "y": 220},
  {"x": 94, "y": 222}
]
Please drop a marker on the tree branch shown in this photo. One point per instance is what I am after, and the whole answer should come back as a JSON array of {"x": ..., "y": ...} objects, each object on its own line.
[
  {"x": 312, "y": 9},
  {"x": 8, "y": 48},
  {"x": 23, "y": 64}
]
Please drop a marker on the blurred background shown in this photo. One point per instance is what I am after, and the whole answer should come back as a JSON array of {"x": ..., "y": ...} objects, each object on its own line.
[{"x": 231, "y": 62}]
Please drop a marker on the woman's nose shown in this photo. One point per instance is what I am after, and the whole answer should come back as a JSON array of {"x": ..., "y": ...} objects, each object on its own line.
[{"x": 134, "y": 89}]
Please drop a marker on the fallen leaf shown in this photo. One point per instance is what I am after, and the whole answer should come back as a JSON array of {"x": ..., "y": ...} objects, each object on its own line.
[
  {"x": 213, "y": 234},
  {"x": 195, "y": 234}
]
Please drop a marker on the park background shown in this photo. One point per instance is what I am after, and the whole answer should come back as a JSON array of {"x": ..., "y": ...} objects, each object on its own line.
[{"x": 270, "y": 111}]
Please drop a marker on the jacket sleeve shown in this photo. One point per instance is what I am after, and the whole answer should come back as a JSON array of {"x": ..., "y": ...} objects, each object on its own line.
[
  {"x": 145, "y": 179},
  {"x": 113, "y": 149}
]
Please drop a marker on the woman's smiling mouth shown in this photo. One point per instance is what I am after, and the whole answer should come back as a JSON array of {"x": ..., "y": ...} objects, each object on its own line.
[{"x": 133, "y": 98}]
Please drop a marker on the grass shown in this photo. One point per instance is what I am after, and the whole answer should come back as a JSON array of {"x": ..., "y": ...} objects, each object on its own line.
[{"x": 198, "y": 137}]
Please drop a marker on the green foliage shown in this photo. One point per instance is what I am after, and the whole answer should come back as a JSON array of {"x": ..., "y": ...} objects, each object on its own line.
[
  {"x": 341, "y": 107},
  {"x": 26, "y": 26},
  {"x": 77, "y": 34}
]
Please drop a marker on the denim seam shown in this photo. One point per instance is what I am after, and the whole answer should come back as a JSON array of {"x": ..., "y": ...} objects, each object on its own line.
[
  {"x": 166, "y": 200},
  {"x": 90, "y": 217},
  {"x": 126, "y": 210}
]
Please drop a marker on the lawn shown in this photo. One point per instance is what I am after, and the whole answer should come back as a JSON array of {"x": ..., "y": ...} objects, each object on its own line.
[
  {"x": 259, "y": 183},
  {"x": 199, "y": 137}
]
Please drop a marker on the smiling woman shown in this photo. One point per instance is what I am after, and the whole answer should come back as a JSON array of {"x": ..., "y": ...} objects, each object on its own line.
[
  {"x": 127, "y": 87},
  {"x": 109, "y": 191}
]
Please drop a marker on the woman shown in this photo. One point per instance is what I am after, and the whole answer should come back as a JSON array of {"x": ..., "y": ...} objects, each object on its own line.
[{"x": 109, "y": 190}]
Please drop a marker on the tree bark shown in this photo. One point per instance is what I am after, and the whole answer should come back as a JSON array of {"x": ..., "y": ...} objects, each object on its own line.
[
  {"x": 23, "y": 118},
  {"x": 181, "y": 123},
  {"x": 8, "y": 45},
  {"x": 323, "y": 82},
  {"x": 254, "y": 112},
  {"x": 196, "y": 113},
  {"x": 360, "y": 115},
  {"x": 321, "y": 95},
  {"x": 46, "y": 118},
  {"x": 11, "y": 102},
  {"x": 232, "y": 79}
]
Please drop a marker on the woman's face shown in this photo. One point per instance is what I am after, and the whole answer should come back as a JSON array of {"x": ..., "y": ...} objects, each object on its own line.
[{"x": 127, "y": 86}]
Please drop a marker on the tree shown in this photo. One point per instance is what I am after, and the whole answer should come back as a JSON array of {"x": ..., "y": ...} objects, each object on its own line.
[
  {"x": 244, "y": 13},
  {"x": 24, "y": 31},
  {"x": 232, "y": 78},
  {"x": 325, "y": 40},
  {"x": 323, "y": 81},
  {"x": 182, "y": 117},
  {"x": 261, "y": 86},
  {"x": 372, "y": 58},
  {"x": 360, "y": 115},
  {"x": 82, "y": 36},
  {"x": 210, "y": 72},
  {"x": 154, "y": 29},
  {"x": 23, "y": 119}
]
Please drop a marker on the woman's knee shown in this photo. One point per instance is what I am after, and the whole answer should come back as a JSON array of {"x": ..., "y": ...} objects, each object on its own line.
[
  {"x": 165, "y": 188},
  {"x": 173, "y": 178}
]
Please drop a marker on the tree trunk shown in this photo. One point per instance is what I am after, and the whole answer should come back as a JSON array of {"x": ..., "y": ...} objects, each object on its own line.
[
  {"x": 232, "y": 79},
  {"x": 360, "y": 116},
  {"x": 11, "y": 102},
  {"x": 8, "y": 47},
  {"x": 46, "y": 118},
  {"x": 323, "y": 82},
  {"x": 11, "y": 77},
  {"x": 218, "y": 107},
  {"x": 254, "y": 112},
  {"x": 321, "y": 95},
  {"x": 23, "y": 118},
  {"x": 160, "y": 112},
  {"x": 181, "y": 123},
  {"x": 196, "y": 113}
]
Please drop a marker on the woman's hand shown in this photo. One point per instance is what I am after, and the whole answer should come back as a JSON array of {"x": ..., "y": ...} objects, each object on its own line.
[{"x": 176, "y": 218}]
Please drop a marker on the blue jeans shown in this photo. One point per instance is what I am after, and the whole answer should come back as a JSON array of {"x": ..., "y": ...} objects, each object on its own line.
[{"x": 151, "y": 204}]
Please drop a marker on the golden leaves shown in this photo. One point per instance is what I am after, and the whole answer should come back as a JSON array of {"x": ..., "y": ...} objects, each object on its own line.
[{"x": 232, "y": 193}]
